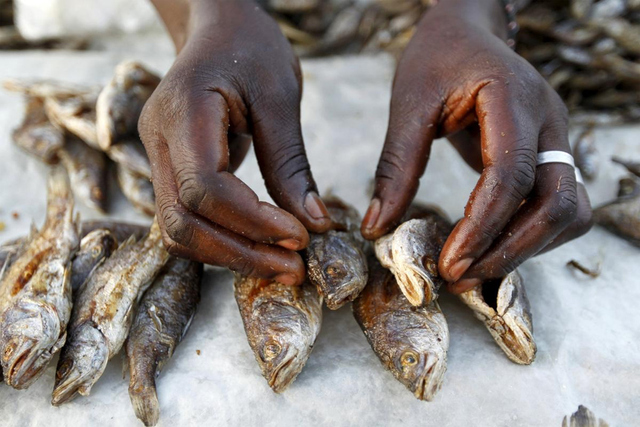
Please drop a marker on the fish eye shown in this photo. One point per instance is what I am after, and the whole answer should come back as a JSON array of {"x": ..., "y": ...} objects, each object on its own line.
[
  {"x": 9, "y": 350},
  {"x": 430, "y": 265},
  {"x": 333, "y": 272},
  {"x": 271, "y": 350},
  {"x": 409, "y": 358},
  {"x": 96, "y": 251}
]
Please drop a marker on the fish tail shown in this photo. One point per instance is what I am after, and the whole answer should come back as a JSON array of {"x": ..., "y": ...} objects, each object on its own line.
[{"x": 144, "y": 400}]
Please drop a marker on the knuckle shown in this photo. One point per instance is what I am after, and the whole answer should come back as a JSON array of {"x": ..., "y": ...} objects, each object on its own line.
[
  {"x": 562, "y": 205},
  {"x": 192, "y": 189}
]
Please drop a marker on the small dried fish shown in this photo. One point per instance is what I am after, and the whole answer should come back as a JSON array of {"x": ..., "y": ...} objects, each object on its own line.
[
  {"x": 75, "y": 114},
  {"x": 621, "y": 217},
  {"x": 95, "y": 247},
  {"x": 585, "y": 154},
  {"x": 502, "y": 305},
  {"x": 594, "y": 273},
  {"x": 581, "y": 9},
  {"x": 120, "y": 102},
  {"x": 162, "y": 321},
  {"x": 138, "y": 190},
  {"x": 411, "y": 252},
  {"x": 282, "y": 324},
  {"x": 120, "y": 230},
  {"x": 633, "y": 167},
  {"x": 583, "y": 417},
  {"x": 411, "y": 342},
  {"x": 36, "y": 135},
  {"x": 293, "y": 6},
  {"x": 336, "y": 263},
  {"x": 87, "y": 169},
  {"x": 35, "y": 294},
  {"x": 45, "y": 88},
  {"x": 628, "y": 187},
  {"x": 103, "y": 312},
  {"x": 130, "y": 153}
]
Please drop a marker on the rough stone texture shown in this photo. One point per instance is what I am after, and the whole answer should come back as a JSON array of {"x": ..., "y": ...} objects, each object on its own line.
[{"x": 587, "y": 330}]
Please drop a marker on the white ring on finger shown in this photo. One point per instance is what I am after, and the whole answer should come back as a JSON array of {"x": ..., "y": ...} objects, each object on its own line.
[{"x": 559, "y": 157}]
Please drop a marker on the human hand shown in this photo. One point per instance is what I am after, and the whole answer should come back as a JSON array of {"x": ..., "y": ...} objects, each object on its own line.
[
  {"x": 459, "y": 79},
  {"x": 235, "y": 75}
]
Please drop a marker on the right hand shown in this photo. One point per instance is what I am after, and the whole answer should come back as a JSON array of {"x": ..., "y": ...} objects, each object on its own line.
[{"x": 235, "y": 75}]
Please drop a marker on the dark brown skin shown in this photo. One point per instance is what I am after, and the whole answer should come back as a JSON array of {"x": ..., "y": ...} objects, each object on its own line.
[
  {"x": 235, "y": 75},
  {"x": 458, "y": 79}
]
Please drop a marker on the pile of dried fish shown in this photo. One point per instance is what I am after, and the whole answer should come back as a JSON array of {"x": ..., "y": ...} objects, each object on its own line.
[
  {"x": 70, "y": 286},
  {"x": 82, "y": 127},
  {"x": 402, "y": 319},
  {"x": 588, "y": 51}
]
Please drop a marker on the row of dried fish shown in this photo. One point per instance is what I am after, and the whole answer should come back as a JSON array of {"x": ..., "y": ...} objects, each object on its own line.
[
  {"x": 82, "y": 127},
  {"x": 89, "y": 297}
]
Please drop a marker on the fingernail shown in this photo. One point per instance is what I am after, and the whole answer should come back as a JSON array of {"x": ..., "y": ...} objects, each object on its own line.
[
  {"x": 286, "y": 279},
  {"x": 372, "y": 215},
  {"x": 464, "y": 285},
  {"x": 315, "y": 207},
  {"x": 291, "y": 244},
  {"x": 459, "y": 268}
]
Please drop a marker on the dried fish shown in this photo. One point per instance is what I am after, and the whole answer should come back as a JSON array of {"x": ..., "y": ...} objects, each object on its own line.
[
  {"x": 75, "y": 114},
  {"x": 130, "y": 153},
  {"x": 411, "y": 252},
  {"x": 163, "y": 319},
  {"x": 282, "y": 324},
  {"x": 138, "y": 190},
  {"x": 629, "y": 187},
  {"x": 120, "y": 230},
  {"x": 583, "y": 417},
  {"x": 632, "y": 166},
  {"x": 581, "y": 9},
  {"x": 336, "y": 263},
  {"x": 585, "y": 154},
  {"x": 411, "y": 342},
  {"x": 87, "y": 169},
  {"x": 621, "y": 217},
  {"x": 36, "y": 135},
  {"x": 95, "y": 247},
  {"x": 120, "y": 102},
  {"x": 293, "y": 6},
  {"x": 10, "y": 251},
  {"x": 46, "y": 88},
  {"x": 35, "y": 293},
  {"x": 103, "y": 312},
  {"x": 502, "y": 305}
]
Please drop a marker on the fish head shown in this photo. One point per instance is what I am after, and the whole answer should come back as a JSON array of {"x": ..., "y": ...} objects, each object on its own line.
[
  {"x": 30, "y": 336},
  {"x": 417, "y": 351},
  {"x": 97, "y": 245},
  {"x": 81, "y": 363},
  {"x": 337, "y": 264},
  {"x": 287, "y": 338}
]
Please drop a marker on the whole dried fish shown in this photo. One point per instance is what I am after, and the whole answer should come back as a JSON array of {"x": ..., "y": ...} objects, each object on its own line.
[
  {"x": 120, "y": 230},
  {"x": 87, "y": 169},
  {"x": 130, "y": 154},
  {"x": 585, "y": 154},
  {"x": 503, "y": 307},
  {"x": 95, "y": 247},
  {"x": 35, "y": 294},
  {"x": 36, "y": 135},
  {"x": 336, "y": 263},
  {"x": 282, "y": 324},
  {"x": 138, "y": 190},
  {"x": 411, "y": 342},
  {"x": 103, "y": 312},
  {"x": 162, "y": 321},
  {"x": 621, "y": 217},
  {"x": 75, "y": 114},
  {"x": 633, "y": 167},
  {"x": 411, "y": 252},
  {"x": 120, "y": 102},
  {"x": 583, "y": 417}
]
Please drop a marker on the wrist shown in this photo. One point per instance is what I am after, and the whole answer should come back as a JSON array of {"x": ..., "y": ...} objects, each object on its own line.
[{"x": 487, "y": 14}]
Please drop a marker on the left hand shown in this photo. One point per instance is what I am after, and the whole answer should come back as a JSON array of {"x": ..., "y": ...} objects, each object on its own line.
[{"x": 458, "y": 78}]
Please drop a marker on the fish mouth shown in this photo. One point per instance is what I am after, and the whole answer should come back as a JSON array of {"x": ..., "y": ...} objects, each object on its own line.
[
  {"x": 516, "y": 340},
  {"x": 416, "y": 285},
  {"x": 20, "y": 370},
  {"x": 345, "y": 292},
  {"x": 428, "y": 385},
  {"x": 69, "y": 387},
  {"x": 284, "y": 373}
]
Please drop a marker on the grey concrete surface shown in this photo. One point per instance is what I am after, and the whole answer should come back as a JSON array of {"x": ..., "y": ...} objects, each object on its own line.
[{"x": 587, "y": 330}]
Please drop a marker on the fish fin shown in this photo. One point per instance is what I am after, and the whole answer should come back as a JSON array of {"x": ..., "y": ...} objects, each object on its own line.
[
  {"x": 144, "y": 400},
  {"x": 6, "y": 263},
  {"x": 152, "y": 311},
  {"x": 33, "y": 232},
  {"x": 130, "y": 241}
]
